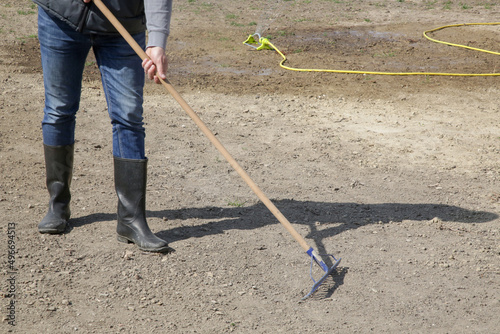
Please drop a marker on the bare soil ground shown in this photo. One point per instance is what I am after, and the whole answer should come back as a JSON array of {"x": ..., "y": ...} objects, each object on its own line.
[{"x": 397, "y": 175}]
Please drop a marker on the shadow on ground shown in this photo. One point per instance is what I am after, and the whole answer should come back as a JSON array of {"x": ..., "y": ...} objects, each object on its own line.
[{"x": 342, "y": 217}]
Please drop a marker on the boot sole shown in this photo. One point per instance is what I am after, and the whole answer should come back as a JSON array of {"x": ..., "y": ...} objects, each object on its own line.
[
  {"x": 126, "y": 240},
  {"x": 51, "y": 231},
  {"x": 55, "y": 230}
]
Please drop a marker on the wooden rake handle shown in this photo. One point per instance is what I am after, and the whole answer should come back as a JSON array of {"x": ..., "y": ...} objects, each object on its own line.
[{"x": 140, "y": 52}]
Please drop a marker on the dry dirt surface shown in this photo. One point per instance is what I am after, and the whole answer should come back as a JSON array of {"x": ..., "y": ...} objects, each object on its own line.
[{"x": 397, "y": 175}]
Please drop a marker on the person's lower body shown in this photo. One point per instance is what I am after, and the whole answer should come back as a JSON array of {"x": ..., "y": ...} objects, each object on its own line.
[{"x": 64, "y": 53}]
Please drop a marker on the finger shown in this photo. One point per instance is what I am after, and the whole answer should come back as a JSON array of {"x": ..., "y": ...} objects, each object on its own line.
[
  {"x": 152, "y": 72},
  {"x": 161, "y": 70},
  {"x": 146, "y": 64},
  {"x": 149, "y": 68}
]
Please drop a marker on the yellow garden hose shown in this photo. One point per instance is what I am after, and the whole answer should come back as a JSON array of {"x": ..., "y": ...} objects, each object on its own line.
[
  {"x": 266, "y": 44},
  {"x": 459, "y": 45}
]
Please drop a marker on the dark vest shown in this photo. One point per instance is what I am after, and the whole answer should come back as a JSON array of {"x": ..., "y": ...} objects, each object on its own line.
[{"x": 87, "y": 18}]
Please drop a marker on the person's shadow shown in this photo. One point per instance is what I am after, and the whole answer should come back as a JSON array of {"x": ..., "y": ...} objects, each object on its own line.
[{"x": 341, "y": 217}]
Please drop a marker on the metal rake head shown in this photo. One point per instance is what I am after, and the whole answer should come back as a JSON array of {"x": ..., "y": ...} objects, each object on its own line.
[{"x": 328, "y": 270}]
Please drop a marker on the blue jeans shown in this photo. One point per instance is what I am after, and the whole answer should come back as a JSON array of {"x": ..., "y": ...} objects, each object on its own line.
[{"x": 64, "y": 52}]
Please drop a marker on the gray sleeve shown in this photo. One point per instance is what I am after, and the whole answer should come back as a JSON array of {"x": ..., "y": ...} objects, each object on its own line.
[{"x": 158, "y": 14}]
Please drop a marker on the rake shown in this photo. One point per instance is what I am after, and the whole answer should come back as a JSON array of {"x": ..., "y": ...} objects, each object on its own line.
[{"x": 274, "y": 210}]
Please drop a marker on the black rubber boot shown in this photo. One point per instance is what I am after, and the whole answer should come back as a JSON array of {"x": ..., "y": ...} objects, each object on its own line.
[
  {"x": 130, "y": 185},
  {"x": 59, "y": 171}
]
